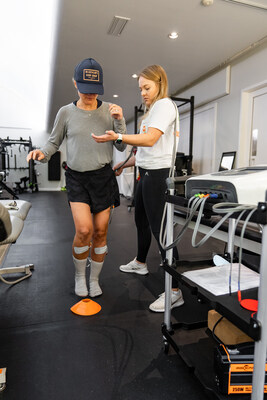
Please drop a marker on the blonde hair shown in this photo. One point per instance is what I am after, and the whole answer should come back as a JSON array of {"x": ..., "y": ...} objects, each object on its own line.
[{"x": 158, "y": 75}]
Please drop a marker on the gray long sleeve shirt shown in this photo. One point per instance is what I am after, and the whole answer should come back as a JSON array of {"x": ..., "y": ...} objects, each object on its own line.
[{"x": 83, "y": 153}]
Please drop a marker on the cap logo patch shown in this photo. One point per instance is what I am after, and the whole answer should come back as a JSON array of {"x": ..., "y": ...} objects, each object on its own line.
[{"x": 91, "y": 75}]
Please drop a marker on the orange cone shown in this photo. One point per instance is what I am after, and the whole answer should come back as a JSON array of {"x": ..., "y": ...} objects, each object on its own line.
[{"x": 86, "y": 307}]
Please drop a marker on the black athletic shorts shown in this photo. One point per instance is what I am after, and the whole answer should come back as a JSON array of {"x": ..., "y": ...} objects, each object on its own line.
[{"x": 99, "y": 189}]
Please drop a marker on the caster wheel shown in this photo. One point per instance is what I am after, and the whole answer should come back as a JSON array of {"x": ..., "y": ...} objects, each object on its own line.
[
  {"x": 2, "y": 387},
  {"x": 166, "y": 347}
]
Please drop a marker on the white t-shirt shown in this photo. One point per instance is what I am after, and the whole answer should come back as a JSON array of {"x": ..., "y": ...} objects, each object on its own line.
[{"x": 162, "y": 116}]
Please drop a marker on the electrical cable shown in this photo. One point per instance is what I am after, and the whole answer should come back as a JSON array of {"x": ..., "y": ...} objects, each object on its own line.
[
  {"x": 249, "y": 304},
  {"x": 192, "y": 212},
  {"x": 229, "y": 209},
  {"x": 220, "y": 208},
  {"x": 174, "y": 149},
  {"x": 235, "y": 207},
  {"x": 171, "y": 175},
  {"x": 207, "y": 236},
  {"x": 127, "y": 159},
  {"x": 213, "y": 330},
  {"x": 232, "y": 251}
]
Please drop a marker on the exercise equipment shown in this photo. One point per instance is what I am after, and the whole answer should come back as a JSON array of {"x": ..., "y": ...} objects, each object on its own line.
[
  {"x": 8, "y": 154},
  {"x": 4, "y": 186},
  {"x": 182, "y": 163},
  {"x": 12, "y": 216}
]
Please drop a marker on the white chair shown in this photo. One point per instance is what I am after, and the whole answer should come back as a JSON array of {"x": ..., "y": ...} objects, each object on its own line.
[{"x": 12, "y": 216}]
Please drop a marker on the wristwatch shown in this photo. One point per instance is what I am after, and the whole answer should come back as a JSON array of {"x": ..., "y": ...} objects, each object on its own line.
[{"x": 119, "y": 140}]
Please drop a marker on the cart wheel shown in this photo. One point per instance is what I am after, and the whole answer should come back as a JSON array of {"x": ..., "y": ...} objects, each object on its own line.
[
  {"x": 217, "y": 380},
  {"x": 166, "y": 346},
  {"x": 2, "y": 387}
]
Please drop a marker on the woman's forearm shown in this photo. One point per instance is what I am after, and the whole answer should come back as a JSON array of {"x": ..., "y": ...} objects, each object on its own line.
[{"x": 145, "y": 140}]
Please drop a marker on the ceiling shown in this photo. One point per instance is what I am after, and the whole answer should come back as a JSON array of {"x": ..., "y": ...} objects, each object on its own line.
[{"x": 208, "y": 36}]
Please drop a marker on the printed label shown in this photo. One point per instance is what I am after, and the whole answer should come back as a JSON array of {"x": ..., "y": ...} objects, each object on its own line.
[
  {"x": 91, "y": 75},
  {"x": 243, "y": 389},
  {"x": 243, "y": 367}
]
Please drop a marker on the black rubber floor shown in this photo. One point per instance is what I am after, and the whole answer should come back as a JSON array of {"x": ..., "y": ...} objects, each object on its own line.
[{"x": 51, "y": 353}]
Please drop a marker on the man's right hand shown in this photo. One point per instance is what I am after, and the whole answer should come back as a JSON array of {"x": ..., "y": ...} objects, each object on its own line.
[{"x": 35, "y": 155}]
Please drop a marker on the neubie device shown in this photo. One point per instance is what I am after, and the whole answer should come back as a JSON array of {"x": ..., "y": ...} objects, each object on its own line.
[{"x": 243, "y": 185}]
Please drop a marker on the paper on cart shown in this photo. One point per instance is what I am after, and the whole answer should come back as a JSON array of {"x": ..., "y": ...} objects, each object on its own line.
[{"x": 216, "y": 279}]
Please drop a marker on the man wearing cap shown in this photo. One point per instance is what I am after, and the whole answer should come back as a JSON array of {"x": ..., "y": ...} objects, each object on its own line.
[{"x": 90, "y": 181}]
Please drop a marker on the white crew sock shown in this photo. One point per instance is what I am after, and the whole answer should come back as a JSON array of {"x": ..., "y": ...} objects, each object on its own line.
[
  {"x": 94, "y": 288},
  {"x": 80, "y": 278}
]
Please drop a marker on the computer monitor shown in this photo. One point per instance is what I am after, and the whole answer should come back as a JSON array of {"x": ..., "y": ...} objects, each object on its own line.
[{"x": 227, "y": 160}]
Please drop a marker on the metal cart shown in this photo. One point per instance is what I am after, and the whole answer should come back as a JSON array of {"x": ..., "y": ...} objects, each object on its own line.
[{"x": 256, "y": 327}]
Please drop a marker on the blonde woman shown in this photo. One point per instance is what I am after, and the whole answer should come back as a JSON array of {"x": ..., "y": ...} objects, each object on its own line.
[{"x": 153, "y": 158}]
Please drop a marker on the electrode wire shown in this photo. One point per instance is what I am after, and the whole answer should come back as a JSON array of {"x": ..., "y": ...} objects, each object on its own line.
[
  {"x": 207, "y": 236},
  {"x": 241, "y": 249},
  {"x": 193, "y": 210},
  {"x": 232, "y": 251}
]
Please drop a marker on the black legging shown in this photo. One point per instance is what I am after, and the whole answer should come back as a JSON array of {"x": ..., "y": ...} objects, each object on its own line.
[{"x": 149, "y": 205}]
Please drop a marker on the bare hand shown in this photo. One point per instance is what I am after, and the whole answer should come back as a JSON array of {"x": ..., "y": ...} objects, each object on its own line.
[
  {"x": 108, "y": 137},
  {"x": 35, "y": 155},
  {"x": 117, "y": 169},
  {"x": 115, "y": 111}
]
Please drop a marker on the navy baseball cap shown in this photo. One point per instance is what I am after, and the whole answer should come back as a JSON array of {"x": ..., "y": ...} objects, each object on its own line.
[{"x": 88, "y": 75}]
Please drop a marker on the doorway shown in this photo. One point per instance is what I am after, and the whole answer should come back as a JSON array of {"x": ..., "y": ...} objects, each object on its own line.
[{"x": 253, "y": 127}]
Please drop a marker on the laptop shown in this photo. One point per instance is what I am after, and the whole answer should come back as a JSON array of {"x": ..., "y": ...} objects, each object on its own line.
[{"x": 227, "y": 160}]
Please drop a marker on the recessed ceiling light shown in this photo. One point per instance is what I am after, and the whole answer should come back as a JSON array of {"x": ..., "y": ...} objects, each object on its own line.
[
  {"x": 134, "y": 76},
  {"x": 115, "y": 95},
  {"x": 173, "y": 35}
]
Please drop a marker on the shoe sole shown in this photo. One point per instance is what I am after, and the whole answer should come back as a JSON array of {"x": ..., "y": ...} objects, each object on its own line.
[
  {"x": 178, "y": 303},
  {"x": 134, "y": 272}
]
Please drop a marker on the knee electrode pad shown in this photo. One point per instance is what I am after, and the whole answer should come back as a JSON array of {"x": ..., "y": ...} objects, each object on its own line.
[
  {"x": 101, "y": 250},
  {"x": 80, "y": 250}
]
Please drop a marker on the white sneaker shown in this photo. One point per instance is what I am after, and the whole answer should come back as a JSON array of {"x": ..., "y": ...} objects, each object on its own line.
[
  {"x": 134, "y": 267},
  {"x": 159, "y": 304}
]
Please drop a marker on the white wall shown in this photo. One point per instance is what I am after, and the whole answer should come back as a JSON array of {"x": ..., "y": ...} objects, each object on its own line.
[{"x": 248, "y": 72}]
